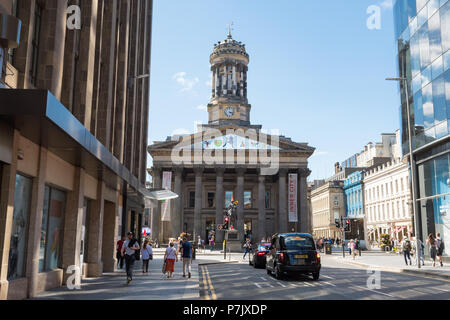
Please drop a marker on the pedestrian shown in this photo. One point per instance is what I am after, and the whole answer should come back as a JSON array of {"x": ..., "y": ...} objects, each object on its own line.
[
  {"x": 406, "y": 248},
  {"x": 440, "y": 248},
  {"x": 199, "y": 242},
  {"x": 211, "y": 243},
  {"x": 431, "y": 241},
  {"x": 186, "y": 254},
  {"x": 358, "y": 247},
  {"x": 352, "y": 248},
  {"x": 247, "y": 247},
  {"x": 420, "y": 252},
  {"x": 129, "y": 248},
  {"x": 170, "y": 257},
  {"x": 119, "y": 253},
  {"x": 147, "y": 255}
]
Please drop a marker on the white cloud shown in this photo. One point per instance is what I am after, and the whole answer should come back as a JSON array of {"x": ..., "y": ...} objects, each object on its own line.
[
  {"x": 202, "y": 108},
  {"x": 387, "y": 4},
  {"x": 185, "y": 83}
]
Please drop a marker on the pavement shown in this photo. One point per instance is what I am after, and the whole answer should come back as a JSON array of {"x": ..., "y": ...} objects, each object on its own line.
[
  {"x": 393, "y": 262},
  {"x": 151, "y": 286}
]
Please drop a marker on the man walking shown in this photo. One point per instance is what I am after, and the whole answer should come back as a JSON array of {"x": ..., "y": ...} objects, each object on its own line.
[
  {"x": 129, "y": 248},
  {"x": 186, "y": 254},
  {"x": 119, "y": 255},
  {"x": 440, "y": 248},
  {"x": 406, "y": 247}
]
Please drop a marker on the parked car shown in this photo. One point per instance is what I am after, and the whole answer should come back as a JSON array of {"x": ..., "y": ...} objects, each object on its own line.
[
  {"x": 293, "y": 253},
  {"x": 258, "y": 256}
]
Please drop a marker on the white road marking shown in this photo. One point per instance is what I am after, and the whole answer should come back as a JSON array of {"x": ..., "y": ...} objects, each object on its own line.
[
  {"x": 281, "y": 284},
  {"x": 444, "y": 290},
  {"x": 379, "y": 292},
  {"x": 257, "y": 285},
  {"x": 329, "y": 283},
  {"x": 327, "y": 277},
  {"x": 308, "y": 284}
]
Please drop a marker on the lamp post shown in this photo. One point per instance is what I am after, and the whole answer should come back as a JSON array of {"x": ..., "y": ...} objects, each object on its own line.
[{"x": 413, "y": 169}]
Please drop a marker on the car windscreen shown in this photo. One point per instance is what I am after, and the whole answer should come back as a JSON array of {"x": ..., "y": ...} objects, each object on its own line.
[{"x": 298, "y": 243}]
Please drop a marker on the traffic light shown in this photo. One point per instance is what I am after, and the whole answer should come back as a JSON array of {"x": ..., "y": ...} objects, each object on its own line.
[
  {"x": 337, "y": 222},
  {"x": 226, "y": 223},
  {"x": 347, "y": 225}
]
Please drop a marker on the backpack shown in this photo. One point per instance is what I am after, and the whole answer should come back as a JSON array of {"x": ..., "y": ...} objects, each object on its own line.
[
  {"x": 441, "y": 245},
  {"x": 137, "y": 253},
  {"x": 407, "y": 245}
]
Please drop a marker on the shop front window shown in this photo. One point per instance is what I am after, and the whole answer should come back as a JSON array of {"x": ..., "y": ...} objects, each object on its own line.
[
  {"x": 19, "y": 231},
  {"x": 52, "y": 229},
  {"x": 435, "y": 181}
]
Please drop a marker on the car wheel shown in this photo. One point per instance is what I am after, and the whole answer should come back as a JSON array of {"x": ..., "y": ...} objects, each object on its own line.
[
  {"x": 316, "y": 276},
  {"x": 278, "y": 273}
]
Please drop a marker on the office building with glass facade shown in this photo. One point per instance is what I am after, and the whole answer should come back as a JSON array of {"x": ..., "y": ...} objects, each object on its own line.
[{"x": 422, "y": 31}]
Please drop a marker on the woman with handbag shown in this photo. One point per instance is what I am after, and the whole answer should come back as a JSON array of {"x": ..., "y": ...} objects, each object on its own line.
[
  {"x": 147, "y": 255},
  {"x": 431, "y": 241},
  {"x": 169, "y": 259}
]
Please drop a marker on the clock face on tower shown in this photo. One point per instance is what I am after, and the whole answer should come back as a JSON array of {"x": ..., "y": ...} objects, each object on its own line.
[{"x": 229, "y": 112}]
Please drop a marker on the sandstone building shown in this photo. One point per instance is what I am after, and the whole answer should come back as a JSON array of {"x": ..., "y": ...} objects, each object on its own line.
[{"x": 73, "y": 137}]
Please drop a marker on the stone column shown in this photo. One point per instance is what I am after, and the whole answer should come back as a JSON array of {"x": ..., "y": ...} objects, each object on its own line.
[
  {"x": 240, "y": 198},
  {"x": 7, "y": 189},
  {"x": 302, "y": 201},
  {"x": 35, "y": 225},
  {"x": 234, "y": 80},
  {"x": 225, "y": 79},
  {"x": 282, "y": 204},
  {"x": 261, "y": 207},
  {"x": 95, "y": 264},
  {"x": 198, "y": 202},
  {"x": 156, "y": 218},
  {"x": 220, "y": 203},
  {"x": 73, "y": 222},
  {"x": 109, "y": 238},
  {"x": 176, "y": 209},
  {"x": 213, "y": 87}
]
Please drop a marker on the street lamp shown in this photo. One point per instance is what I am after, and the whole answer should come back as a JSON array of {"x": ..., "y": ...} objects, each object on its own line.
[
  {"x": 413, "y": 169},
  {"x": 132, "y": 78}
]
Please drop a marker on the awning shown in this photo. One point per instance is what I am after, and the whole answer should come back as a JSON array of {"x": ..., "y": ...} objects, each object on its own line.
[{"x": 43, "y": 119}]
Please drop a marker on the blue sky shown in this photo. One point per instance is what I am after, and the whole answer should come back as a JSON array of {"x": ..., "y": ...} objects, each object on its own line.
[{"x": 316, "y": 71}]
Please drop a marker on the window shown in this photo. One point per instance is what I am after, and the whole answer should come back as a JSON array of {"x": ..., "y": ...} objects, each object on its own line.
[
  {"x": 211, "y": 200},
  {"x": 336, "y": 201},
  {"x": 19, "y": 231},
  {"x": 229, "y": 198},
  {"x": 52, "y": 229},
  {"x": 247, "y": 200},
  {"x": 191, "y": 199},
  {"x": 35, "y": 42},
  {"x": 267, "y": 199}
]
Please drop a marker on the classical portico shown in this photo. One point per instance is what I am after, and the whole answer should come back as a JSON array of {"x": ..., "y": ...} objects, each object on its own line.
[{"x": 230, "y": 159}]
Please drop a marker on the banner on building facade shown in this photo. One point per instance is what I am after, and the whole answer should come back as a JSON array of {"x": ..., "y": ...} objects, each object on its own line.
[
  {"x": 292, "y": 201},
  {"x": 165, "y": 205}
]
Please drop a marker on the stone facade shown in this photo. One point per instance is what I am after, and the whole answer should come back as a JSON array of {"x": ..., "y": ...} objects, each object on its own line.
[
  {"x": 387, "y": 201},
  {"x": 231, "y": 159},
  {"x": 85, "y": 171},
  {"x": 327, "y": 204}
]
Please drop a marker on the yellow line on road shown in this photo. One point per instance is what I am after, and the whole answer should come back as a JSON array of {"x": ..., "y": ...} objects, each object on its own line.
[
  {"x": 205, "y": 285},
  {"x": 211, "y": 287}
]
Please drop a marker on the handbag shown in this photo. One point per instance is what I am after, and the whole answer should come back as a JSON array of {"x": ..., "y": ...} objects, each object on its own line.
[{"x": 164, "y": 267}]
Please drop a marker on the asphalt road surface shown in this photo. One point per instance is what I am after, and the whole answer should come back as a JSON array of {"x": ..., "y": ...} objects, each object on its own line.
[{"x": 337, "y": 282}]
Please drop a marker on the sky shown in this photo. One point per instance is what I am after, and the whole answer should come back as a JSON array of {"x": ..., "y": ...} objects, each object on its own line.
[{"x": 316, "y": 73}]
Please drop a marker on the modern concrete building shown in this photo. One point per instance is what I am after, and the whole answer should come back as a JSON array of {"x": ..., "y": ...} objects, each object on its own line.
[
  {"x": 387, "y": 201},
  {"x": 231, "y": 159},
  {"x": 327, "y": 204},
  {"x": 73, "y": 137}
]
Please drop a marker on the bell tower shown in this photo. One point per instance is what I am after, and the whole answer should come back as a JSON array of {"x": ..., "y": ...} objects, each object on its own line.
[{"x": 229, "y": 65}]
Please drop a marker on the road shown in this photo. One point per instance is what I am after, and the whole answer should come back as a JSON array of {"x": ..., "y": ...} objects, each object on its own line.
[{"x": 337, "y": 282}]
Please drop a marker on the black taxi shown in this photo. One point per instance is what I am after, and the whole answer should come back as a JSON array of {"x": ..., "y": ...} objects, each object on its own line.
[{"x": 293, "y": 253}]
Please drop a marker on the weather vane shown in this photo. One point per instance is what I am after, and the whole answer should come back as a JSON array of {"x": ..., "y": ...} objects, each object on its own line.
[{"x": 229, "y": 29}]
